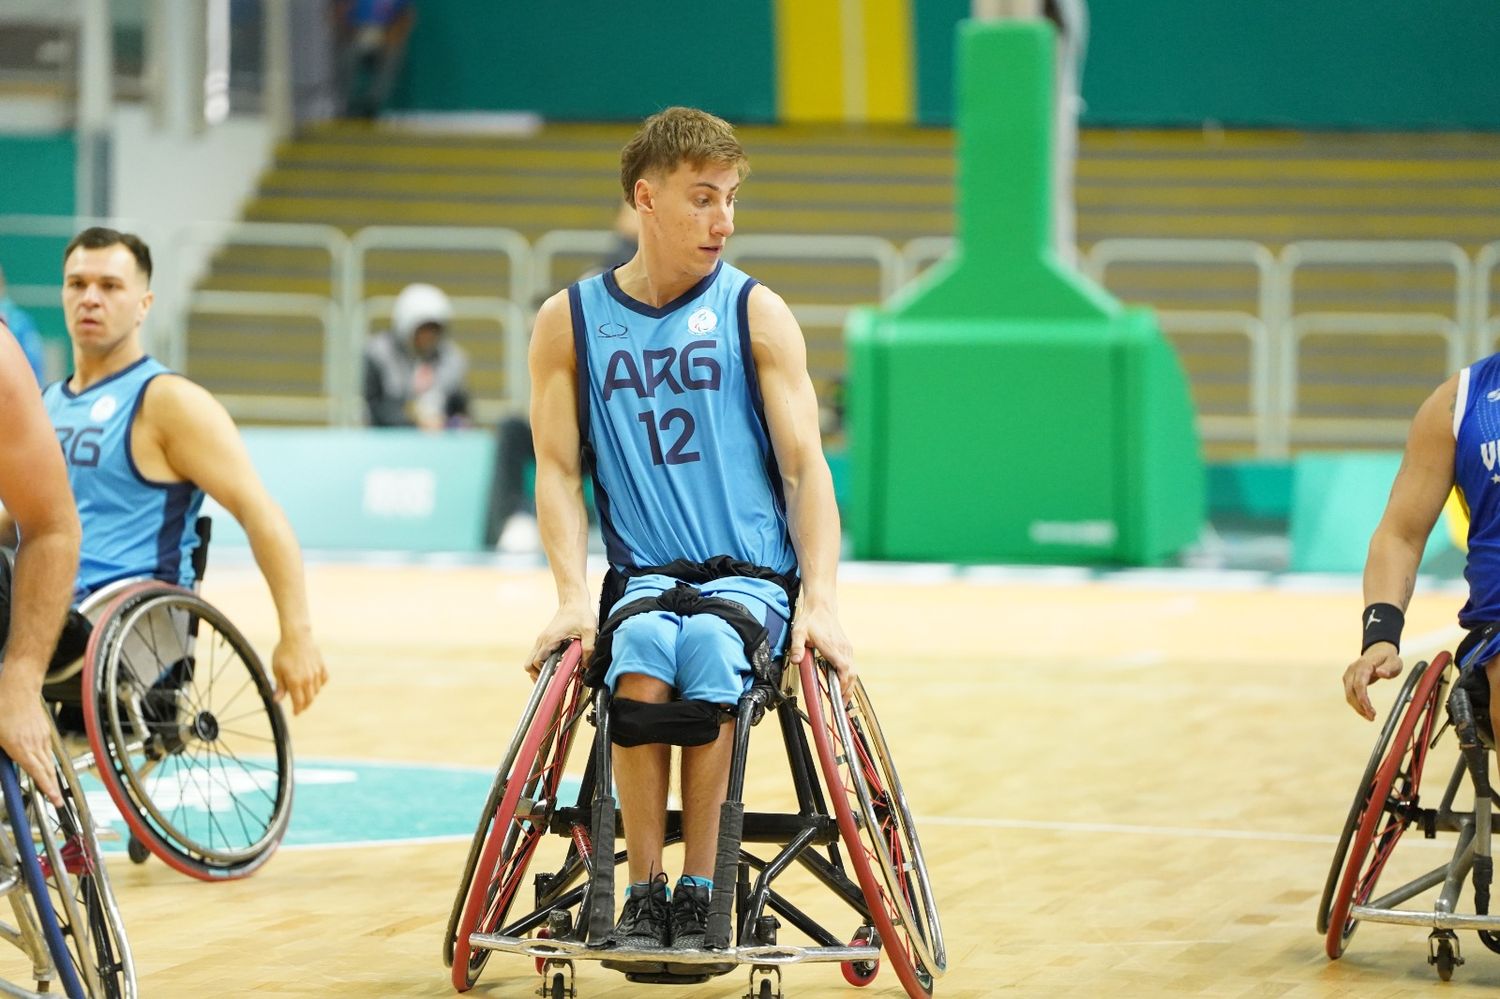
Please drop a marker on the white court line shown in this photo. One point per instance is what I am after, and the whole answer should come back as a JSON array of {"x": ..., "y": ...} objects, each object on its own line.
[
  {"x": 1173, "y": 832},
  {"x": 1179, "y": 832},
  {"x": 361, "y": 844}
]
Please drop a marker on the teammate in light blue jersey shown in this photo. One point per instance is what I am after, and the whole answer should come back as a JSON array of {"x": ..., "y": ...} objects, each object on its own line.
[
  {"x": 143, "y": 445},
  {"x": 681, "y": 385},
  {"x": 1454, "y": 442}
]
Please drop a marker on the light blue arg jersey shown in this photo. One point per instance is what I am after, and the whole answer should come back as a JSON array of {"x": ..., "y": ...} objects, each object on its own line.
[
  {"x": 673, "y": 428},
  {"x": 132, "y": 526}
]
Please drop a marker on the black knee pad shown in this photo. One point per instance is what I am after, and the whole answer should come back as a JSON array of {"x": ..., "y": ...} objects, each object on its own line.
[{"x": 676, "y": 723}]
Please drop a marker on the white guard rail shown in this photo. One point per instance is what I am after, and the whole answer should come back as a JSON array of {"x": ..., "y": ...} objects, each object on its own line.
[{"x": 1273, "y": 329}]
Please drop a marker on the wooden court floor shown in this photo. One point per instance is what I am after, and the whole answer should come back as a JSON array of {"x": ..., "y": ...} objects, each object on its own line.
[{"x": 1127, "y": 786}]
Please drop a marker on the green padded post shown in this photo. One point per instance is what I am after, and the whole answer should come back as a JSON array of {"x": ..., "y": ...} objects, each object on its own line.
[{"x": 1004, "y": 407}]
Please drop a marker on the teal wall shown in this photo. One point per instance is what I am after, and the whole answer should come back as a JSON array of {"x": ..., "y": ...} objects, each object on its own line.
[
  {"x": 933, "y": 35},
  {"x": 591, "y": 59},
  {"x": 1380, "y": 64},
  {"x": 36, "y": 174},
  {"x": 1371, "y": 64},
  {"x": 396, "y": 490},
  {"x": 36, "y": 178}
]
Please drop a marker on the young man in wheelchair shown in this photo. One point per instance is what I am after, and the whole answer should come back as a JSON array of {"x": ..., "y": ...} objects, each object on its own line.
[
  {"x": 1452, "y": 444},
  {"x": 34, "y": 492},
  {"x": 142, "y": 446},
  {"x": 681, "y": 384}
]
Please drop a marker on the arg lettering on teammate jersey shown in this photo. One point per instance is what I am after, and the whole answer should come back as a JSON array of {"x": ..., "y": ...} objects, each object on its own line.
[{"x": 693, "y": 369}]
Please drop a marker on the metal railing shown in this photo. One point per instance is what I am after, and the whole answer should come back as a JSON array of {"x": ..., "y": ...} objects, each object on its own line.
[
  {"x": 512, "y": 318},
  {"x": 514, "y": 327},
  {"x": 1375, "y": 258},
  {"x": 1273, "y": 322},
  {"x": 881, "y": 252},
  {"x": 1264, "y": 429},
  {"x": 290, "y": 235},
  {"x": 324, "y": 407},
  {"x": 1486, "y": 324}
]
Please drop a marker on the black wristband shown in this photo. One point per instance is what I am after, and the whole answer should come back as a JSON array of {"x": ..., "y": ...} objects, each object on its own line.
[{"x": 1383, "y": 623}]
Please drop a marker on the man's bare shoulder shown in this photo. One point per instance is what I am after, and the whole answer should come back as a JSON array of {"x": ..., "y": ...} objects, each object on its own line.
[
  {"x": 173, "y": 401},
  {"x": 556, "y": 314},
  {"x": 771, "y": 319},
  {"x": 552, "y": 336}
]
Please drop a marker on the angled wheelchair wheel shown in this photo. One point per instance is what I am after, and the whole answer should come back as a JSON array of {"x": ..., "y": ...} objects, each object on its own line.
[
  {"x": 1385, "y": 804},
  {"x": 876, "y": 827},
  {"x": 539, "y": 690},
  {"x": 1356, "y": 809},
  {"x": 516, "y": 818},
  {"x": 73, "y": 904},
  {"x": 187, "y": 736},
  {"x": 40, "y": 916}
]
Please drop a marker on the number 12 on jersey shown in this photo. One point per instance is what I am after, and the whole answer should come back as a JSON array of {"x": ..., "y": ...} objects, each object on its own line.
[{"x": 679, "y": 421}]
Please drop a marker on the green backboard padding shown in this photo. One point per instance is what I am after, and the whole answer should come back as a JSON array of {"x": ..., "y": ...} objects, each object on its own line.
[{"x": 1005, "y": 407}]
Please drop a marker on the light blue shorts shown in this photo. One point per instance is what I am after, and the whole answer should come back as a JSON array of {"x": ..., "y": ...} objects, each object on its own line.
[{"x": 698, "y": 655}]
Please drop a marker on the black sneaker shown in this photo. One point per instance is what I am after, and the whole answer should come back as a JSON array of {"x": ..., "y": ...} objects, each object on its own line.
[
  {"x": 689, "y": 924},
  {"x": 689, "y": 916},
  {"x": 645, "y": 923}
]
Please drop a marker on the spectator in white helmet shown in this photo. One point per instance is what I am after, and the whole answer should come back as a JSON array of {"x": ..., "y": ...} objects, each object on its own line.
[{"x": 415, "y": 376}]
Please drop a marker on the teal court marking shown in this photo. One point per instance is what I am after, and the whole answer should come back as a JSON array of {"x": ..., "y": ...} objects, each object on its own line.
[{"x": 335, "y": 803}]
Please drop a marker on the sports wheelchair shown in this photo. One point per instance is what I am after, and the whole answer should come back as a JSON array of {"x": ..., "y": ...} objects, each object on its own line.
[
  {"x": 858, "y": 841},
  {"x": 67, "y": 929},
  {"x": 182, "y": 724},
  {"x": 1389, "y": 801}
]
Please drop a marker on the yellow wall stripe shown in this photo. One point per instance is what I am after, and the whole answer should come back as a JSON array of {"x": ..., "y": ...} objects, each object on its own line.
[
  {"x": 888, "y": 61},
  {"x": 809, "y": 61}
]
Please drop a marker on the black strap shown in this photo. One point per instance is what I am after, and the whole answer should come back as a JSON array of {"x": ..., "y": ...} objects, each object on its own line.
[
  {"x": 717, "y": 567},
  {"x": 683, "y": 600},
  {"x": 1477, "y": 635}
]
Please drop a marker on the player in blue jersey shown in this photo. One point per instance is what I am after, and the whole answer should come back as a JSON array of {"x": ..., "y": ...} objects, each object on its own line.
[
  {"x": 1453, "y": 442},
  {"x": 143, "y": 445},
  {"x": 680, "y": 384},
  {"x": 33, "y": 602}
]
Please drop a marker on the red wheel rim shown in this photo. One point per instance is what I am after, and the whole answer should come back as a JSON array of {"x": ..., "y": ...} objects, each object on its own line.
[
  {"x": 1386, "y": 814},
  {"x": 883, "y": 913},
  {"x": 497, "y": 879}
]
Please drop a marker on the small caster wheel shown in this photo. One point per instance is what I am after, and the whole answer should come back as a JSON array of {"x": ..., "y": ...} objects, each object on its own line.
[
  {"x": 137, "y": 850},
  {"x": 1443, "y": 947},
  {"x": 762, "y": 983},
  {"x": 557, "y": 981},
  {"x": 861, "y": 974}
]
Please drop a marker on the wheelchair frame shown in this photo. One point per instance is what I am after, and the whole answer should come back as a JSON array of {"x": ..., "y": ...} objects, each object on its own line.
[
  {"x": 128, "y": 743},
  {"x": 1388, "y": 802},
  {"x": 67, "y": 924},
  {"x": 869, "y": 818}
]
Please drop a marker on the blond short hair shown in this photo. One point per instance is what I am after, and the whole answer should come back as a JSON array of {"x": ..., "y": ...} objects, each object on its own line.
[{"x": 675, "y": 136}]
